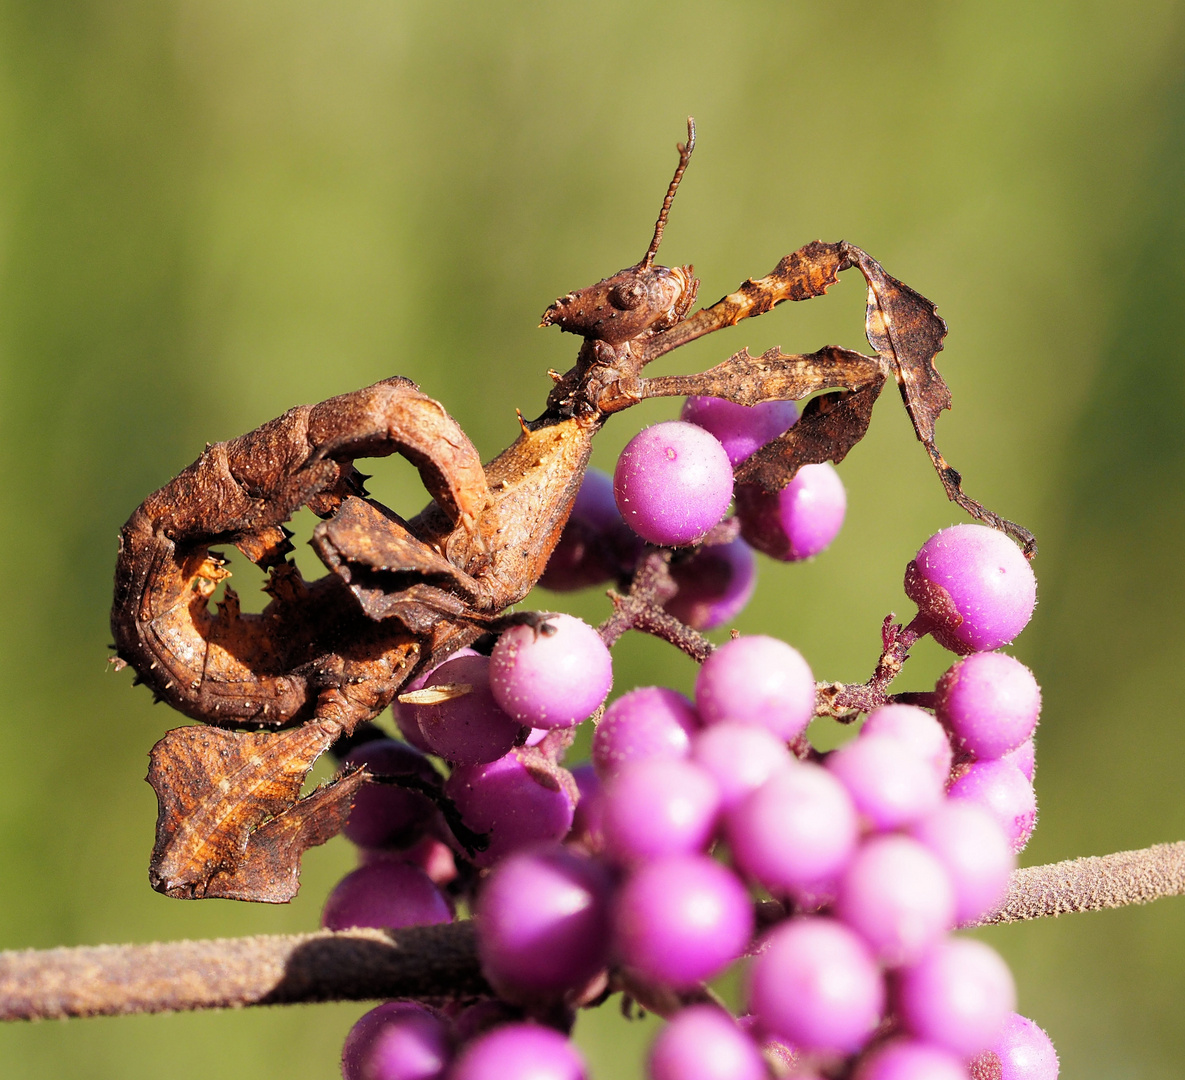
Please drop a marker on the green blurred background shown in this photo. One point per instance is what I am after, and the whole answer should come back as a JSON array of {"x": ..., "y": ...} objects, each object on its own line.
[{"x": 212, "y": 211}]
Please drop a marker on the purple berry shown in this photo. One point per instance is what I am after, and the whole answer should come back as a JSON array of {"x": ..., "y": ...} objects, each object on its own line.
[
  {"x": 405, "y": 715},
  {"x": 650, "y": 722},
  {"x": 740, "y": 757},
  {"x": 989, "y": 702},
  {"x": 975, "y": 585},
  {"x": 957, "y": 996},
  {"x": 596, "y": 545},
  {"x": 975, "y": 851},
  {"x": 715, "y": 584},
  {"x": 1001, "y": 789},
  {"x": 703, "y": 1042},
  {"x": 918, "y": 729},
  {"x": 470, "y": 729},
  {"x": 741, "y": 429},
  {"x": 519, "y": 1052},
  {"x": 798, "y": 522},
  {"x": 908, "y": 1059},
  {"x": 543, "y": 921},
  {"x": 519, "y": 800},
  {"x": 673, "y": 482},
  {"x": 587, "y": 820},
  {"x": 655, "y": 807},
  {"x": 681, "y": 919},
  {"x": 385, "y": 815},
  {"x": 1024, "y": 757},
  {"x": 897, "y": 896},
  {"x": 551, "y": 680},
  {"x": 757, "y": 680},
  {"x": 814, "y": 983},
  {"x": 1022, "y": 1051},
  {"x": 397, "y": 1041},
  {"x": 385, "y": 894},
  {"x": 889, "y": 782},
  {"x": 796, "y": 832}
]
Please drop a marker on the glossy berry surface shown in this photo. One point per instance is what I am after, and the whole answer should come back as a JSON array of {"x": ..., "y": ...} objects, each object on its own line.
[
  {"x": 798, "y": 522},
  {"x": 682, "y": 919},
  {"x": 702, "y": 1042},
  {"x": 385, "y": 893},
  {"x": 976, "y": 586},
  {"x": 398, "y": 1040},
  {"x": 897, "y": 896},
  {"x": 889, "y": 782},
  {"x": 519, "y": 1052},
  {"x": 796, "y": 832},
  {"x": 543, "y": 921},
  {"x": 385, "y": 815},
  {"x": 740, "y": 758},
  {"x": 470, "y": 729},
  {"x": 757, "y": 680},
  {"x": 1001, "y": 789},
  {"x": 918, "y": 730},
  {"x": 990, "y": 703},
  {"x": 958, "y": 996},
  {"x": 974, "y": 850},
  {"x": 741, "y": 429},
  {"x": 550, "y": 680},
  {"x": 654, "y": 808},
  {"x": 909, "y": 1059},
  {"x": 517, "y": 800},
  {"x": 815, "y": 984},
  {"x": 649, "y": 722},
  {"x": 673, "y": 482},
  {"x": 1022, "y": 1051}
]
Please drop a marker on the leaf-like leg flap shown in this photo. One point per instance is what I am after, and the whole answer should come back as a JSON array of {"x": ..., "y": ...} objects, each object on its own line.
[
  {"x": 772, "y": 376},
  {"x": 907, "y": 332},
  {"x": 215, "y": 788},
  {"x": 378, "y": 558},
  {"x": 806, "y": 273},
  {"x": 829, "y": 427},
  {"x": 394, "y": 417},
  {"x": 269, "y": 871}
]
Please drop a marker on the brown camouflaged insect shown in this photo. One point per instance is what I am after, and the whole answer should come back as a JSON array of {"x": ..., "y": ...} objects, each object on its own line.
[{"x": 279, "y": 688}]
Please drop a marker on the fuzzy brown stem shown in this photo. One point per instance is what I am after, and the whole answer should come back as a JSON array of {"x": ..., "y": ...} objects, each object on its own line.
[
  {"x": 434, "y": 963},
  {"x": 423, "y": 962},
  {"x": 1092, "y": 884}
]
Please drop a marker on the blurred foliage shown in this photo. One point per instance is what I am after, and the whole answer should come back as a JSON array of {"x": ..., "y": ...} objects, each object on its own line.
[{"x": 212, "y": 211}]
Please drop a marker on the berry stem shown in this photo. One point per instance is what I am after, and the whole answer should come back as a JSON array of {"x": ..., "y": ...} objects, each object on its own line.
[
  {"x": 641, "y": 608},
  {"x": 845, "y": 701}
]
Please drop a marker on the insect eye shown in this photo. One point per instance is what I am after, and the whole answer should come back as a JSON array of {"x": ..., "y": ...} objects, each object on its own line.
[{"x": 627, "y": 296}]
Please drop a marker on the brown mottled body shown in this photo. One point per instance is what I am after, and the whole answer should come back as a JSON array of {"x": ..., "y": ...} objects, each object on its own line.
[{"x": 330, "y": 654}]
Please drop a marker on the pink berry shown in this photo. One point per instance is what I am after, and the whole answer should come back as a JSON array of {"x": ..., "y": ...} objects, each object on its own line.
[
  {"x": 815, "y": 984},
  {"x": 798, "y": 522},
  {"x": 673, "y": 482},
  {"x": 741, "y": 429},
  {"x": 550, "y": 680},
  {"x": 958, "y": 996},
  {"x": 989, "y": 702},
  {"x": 975, "y": 585},
  {"x": 1022, "y": 1051},
  {"x": 649, "y": 722},
  {"x": 757, "y": 680},
  {"x": 1001, "y": 789}
]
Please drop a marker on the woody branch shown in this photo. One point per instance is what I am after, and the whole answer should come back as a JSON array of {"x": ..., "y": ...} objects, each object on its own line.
[{"x": 434, "y": 962}]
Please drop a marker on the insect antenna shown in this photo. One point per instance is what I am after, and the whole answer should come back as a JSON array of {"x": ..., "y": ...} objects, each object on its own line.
[{"x": 684, "y": 157}]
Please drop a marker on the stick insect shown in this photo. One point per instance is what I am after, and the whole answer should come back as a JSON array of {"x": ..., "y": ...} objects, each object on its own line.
[{"x": 275, "y": 690}]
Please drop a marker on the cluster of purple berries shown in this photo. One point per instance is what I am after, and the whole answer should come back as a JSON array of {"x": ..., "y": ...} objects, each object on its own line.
[
  {"x": 709, "y": 832},
  {"x": 673, "y": 483}
]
